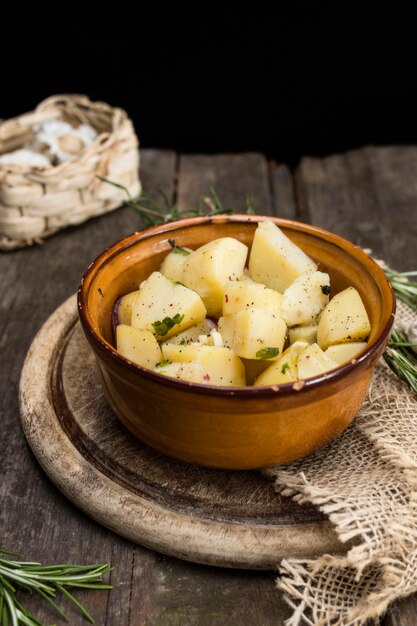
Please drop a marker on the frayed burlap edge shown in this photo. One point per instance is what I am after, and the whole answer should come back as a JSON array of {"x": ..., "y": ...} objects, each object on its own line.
[{"x": 365, "y": 482}]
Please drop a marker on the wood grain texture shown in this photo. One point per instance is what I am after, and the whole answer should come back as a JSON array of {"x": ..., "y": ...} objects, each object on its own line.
[
  {"x": 368, "y": 196},
  {"x": 208, "y": 516},
  {"x": 235, "y": 177},
  {"x": 190, "y": 595},
  {"x": 283, "y": 193},
  {"x": 402, "y": 613},
  {"x": 337, "y": 193},
  {"x": 34, "y": 517}
]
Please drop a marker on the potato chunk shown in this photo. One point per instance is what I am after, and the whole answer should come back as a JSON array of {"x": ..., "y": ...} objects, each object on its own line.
[
  {"x": 343, "y": 320},
  {"x": 275, "y": 260},
  {"x": 165, "y": 308},
  {"x": 124, "y": 310},
  {"x": 245, "y": 295},
  {"x": 344, "y": 352},
  {"x": 313, "y": 361},
  {"x": 173, "y": 265},
  {"x": 305, "y": 298},
  {"x": 285, "y": 370},
  {"x": 180, "y": 353},
  {"x": 254, "y": 333},
  {"x": 210, "y": 268},
  {"x": 137, "y": 345},
  {"x": 303, "y": 333},
  {"x": 194, "y": 332},
  {"x": 207, "y": 365}
]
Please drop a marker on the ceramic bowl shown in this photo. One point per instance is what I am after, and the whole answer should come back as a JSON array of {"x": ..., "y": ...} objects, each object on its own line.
[{"x": 231, "y": 427}]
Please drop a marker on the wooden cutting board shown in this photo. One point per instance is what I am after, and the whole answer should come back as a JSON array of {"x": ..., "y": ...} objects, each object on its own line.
[{"x": 224, "y": 518}]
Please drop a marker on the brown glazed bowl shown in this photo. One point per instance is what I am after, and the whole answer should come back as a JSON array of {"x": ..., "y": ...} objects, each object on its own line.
[{"x": 231, "y": 427}]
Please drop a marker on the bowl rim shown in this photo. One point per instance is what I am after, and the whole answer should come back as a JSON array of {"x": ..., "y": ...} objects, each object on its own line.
[{"x": 292, "y": 388}]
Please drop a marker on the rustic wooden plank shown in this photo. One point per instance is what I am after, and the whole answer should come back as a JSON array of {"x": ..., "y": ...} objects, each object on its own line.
[
  {"x": 284, "y": 201},
  {"x": 402, "y": 613},
  {"x": 34, "y": 517},
  {"x": 235, "y": 177},
  {"x": 368, "y": 196},
  {"x": 178, "y": 592},
  {"x": 394, "y": 174},
  {"x": 158, "y": 171},
  {"x": 338, "y": 193},
  {"x": 195, "y": 595}
]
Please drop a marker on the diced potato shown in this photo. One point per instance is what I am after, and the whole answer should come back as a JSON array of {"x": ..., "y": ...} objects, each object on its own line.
[
  {"x": 254, "y": 333},
  {"x": 212, "y": 366},
  {"x": 209, "y": 269},
  {"x": 303, "y": 333},
  {"x": 173, "y": 264},
  {"x": 137, "y": 345},
  {"x": 244, "y": 295},
  {"x": 165, "y": 307},
  {"x": 168, "y": 369},
  {"x": 285, "y": 370},
  {"x": 177, "y": 352},
  {"x": 343, "y": 320},
  {"x": 305, "y": 298},
  {"x": 247, "y": 278},
  {"x": 275, "y": 260},
  {"x": 344, "y": 352},
  {"x": 193, "y": 333},
  {"x": 124, "y": 311},
  {"x": 313, "y": 361}
]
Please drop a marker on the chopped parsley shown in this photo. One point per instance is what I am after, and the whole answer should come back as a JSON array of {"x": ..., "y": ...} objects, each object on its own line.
[
  {"x": 183, "y": 342},
  {"x": 325, "y": 289},
  {"x": 163, "y": 363},
  {"x": 177, "y": 249},
  {"x": 163, "y": 326},
  {"x": 267, "y": 353},
  {"x": 285, "y": 367},
  {"x": 100, "y": 292}
]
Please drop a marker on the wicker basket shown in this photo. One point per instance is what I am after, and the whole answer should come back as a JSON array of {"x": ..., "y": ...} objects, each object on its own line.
[{"x": 35, "y": 202}]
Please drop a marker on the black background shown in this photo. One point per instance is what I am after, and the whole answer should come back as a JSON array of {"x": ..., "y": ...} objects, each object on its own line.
[{"x": 306, "y": 78}]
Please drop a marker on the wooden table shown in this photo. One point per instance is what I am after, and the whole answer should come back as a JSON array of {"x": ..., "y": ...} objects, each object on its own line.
[{"x": 368, "y": 195}]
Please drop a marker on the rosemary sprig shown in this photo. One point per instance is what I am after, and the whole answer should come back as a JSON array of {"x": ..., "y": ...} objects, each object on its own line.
[
  {"x": 46, "y": 581},
  {"x": 401, "y": 359},
  {"x": 398, "y": 354},
  {"x": 153, "y": 211},
  {"x": 404, "y": 289}
]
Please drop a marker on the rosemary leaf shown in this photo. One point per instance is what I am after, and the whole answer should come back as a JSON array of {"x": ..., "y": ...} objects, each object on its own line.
[
  {"x": 404, "y": 289},
  {"x": 154, "y": 212},
  {"x": 46, "y": 581}
]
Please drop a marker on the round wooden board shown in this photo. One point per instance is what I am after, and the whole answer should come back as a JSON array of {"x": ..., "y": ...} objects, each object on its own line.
[{"x": 223, "y": 518}]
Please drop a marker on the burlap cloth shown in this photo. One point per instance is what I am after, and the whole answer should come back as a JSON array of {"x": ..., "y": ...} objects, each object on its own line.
[{"x": 366, "y": 483}]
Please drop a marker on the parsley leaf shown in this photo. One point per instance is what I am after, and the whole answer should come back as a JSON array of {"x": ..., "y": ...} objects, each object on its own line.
[
  {"x": 285, "y": 367},
  {"x": 177, "y": 249},
  {"x": 163, "y": 326},
  {"x": 163, "y": 363},
  {"x": 267, "y": 353}
]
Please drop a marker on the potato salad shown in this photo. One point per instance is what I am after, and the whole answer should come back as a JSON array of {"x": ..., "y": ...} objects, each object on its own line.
[{"x": 213, "y": 316}]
